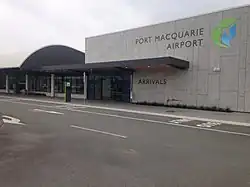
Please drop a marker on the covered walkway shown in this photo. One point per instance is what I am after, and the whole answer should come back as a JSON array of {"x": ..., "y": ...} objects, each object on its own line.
[{"x": 46, "y": 70}]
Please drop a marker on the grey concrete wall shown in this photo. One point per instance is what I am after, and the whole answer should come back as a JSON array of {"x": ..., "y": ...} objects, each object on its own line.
[
  {"x": 200, "y": 84},
  {"x": 245, "y": 70}
]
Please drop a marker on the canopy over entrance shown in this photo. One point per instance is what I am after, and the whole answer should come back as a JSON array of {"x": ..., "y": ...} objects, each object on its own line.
[{"x": 125, "y": 64}]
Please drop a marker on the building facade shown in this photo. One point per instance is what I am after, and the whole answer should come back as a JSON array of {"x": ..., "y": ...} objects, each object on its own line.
[
  {"x": 216, "y": 46},
  {"x": 198, "y": 61},
  {"x": 43, "y": 72}
]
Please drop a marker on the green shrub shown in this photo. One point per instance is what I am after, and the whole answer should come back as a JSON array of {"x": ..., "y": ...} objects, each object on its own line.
[
  {"x": 221, "y": 109},
  {"x": 201, "y": 107},
  {"x": 184, "y": 106},
  {"x": 178, "y": 105},
  {"x": 213, "y": 108},
  {"x": 207, "y": 108},
  {"x": 193, "y": 107}
]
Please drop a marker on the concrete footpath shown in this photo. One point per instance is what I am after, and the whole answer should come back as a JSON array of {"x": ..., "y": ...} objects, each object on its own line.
[{"x": 234, "y": 118}]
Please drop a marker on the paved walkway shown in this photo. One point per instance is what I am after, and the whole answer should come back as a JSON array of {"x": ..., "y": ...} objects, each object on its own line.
[{"x": 233, "y": 116}]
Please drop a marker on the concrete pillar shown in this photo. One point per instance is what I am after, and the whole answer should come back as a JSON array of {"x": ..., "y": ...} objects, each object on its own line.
[
  {"x": 48, "y": 88},
  {"x": 27, "y": 83},
  {"x": 85, "y": 81},
  {"x": 131, "y": 87},
  {"x": 52, "y": 85},
  {"x": 7, "y": 84}
]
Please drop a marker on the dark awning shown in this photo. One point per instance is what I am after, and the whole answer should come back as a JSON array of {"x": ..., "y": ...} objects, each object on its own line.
[{"x": 125, "y": 64}]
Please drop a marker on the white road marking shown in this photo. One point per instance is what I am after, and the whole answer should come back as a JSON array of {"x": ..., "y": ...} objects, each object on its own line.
[
  {"x": 180, "y": 120},
  {"x": 12, "y": 120},
  {"x": 48, "y": 111},
  {"x": 30, "y": 104},
  {"x": 166, "y": 123},
  {"x": 208, "y": 124},
  {"x": 98, "y": 131},
  {"x": 7, "y": 99},
  {"x": 63, "y": 106},
  {"x": 138, "y": 119},
  {"x": 80, "y": 107},
  {"x": 137, "y": 112},
  {"x": 59, "y": 106}
]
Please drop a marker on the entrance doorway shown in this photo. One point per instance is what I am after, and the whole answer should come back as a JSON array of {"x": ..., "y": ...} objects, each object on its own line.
[{"x": 109, "y": 87}]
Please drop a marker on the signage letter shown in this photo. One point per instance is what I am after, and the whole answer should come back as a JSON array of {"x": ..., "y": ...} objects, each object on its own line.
[
  {"x": 157, "y": 38},
  {"x": 188, "y": 43},
  {"x": 200, "y": 42},
  {"x": 174, "y": 36},
  {"x": 201, "y": 31}
]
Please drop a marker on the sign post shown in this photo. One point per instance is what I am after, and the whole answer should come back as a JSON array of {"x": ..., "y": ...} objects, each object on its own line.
[{"x": 67, "y": 90}]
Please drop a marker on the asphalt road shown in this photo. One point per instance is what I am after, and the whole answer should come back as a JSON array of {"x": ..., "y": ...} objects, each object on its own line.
[{"x": 57, "y": 145}]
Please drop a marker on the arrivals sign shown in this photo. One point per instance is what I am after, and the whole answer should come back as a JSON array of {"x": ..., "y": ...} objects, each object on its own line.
[
  {"x": 175, "y": 40},
  {"x": 152, "y": 81}
]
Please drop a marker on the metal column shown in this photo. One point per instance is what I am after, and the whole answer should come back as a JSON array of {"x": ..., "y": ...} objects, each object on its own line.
[
  {"x": 7, "y": 86},
  {"x": 27, "y": 83},
  {"x": 52, "y": 85},
  {"x": 85, "y": 81}
]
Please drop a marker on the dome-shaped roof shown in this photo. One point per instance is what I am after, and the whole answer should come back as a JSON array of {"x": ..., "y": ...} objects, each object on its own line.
[{"x": 52, "y": 56}]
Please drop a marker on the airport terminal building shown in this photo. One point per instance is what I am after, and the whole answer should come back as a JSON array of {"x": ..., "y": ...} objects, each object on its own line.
[{"x": 197, "y": 61}]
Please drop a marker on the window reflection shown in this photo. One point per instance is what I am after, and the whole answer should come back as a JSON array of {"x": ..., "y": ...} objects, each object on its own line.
[
  {"x": 39, "y": 83},
  {"x": 77, "y": 84},
  {"x": 2, "y": 80},
  {"x": 42, "y": 82}
]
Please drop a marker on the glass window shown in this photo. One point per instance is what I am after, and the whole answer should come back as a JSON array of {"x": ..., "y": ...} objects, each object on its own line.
[
  {"x": 2, "y": 80},
  {"x": 38, "y": 83},
  {"x": 59, "y": 84},
  {"x": 77, "y": 84}
]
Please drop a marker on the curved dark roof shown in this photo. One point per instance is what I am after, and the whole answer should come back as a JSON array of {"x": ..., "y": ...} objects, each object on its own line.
[
  {"x": 54, "y": 55},
  {"x": 62, "y": 58}
]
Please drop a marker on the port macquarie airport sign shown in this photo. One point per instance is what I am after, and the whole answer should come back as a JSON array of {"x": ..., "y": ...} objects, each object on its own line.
[{"x": 175, "y": 40}]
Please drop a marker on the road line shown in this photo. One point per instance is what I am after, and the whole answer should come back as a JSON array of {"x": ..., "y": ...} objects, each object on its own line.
[
  {"x": 140, "y": 112},
  {"x": 31, "y": 104},
  {"x": 165, "y": 123},
  {"x": 12, "y": 120},
  {"x": 138, "y": 119},
  {"x": 98, "y": 131},
  {"x": 48, "y": 111},
  {"x": 7, "y": 99}
]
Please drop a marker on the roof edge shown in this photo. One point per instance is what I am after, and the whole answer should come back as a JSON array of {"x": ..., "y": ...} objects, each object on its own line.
[{"x": 165, "y": 22}]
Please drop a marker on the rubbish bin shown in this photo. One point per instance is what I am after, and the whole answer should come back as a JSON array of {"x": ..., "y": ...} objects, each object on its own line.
[{"x": 68, "y": 91}]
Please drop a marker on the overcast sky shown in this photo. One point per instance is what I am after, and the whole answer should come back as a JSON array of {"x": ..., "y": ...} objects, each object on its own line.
[{"x": 30, "y": 24}]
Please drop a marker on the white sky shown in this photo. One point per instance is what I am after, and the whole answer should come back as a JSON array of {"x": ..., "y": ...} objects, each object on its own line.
[{"x": 32, "y": 24}]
